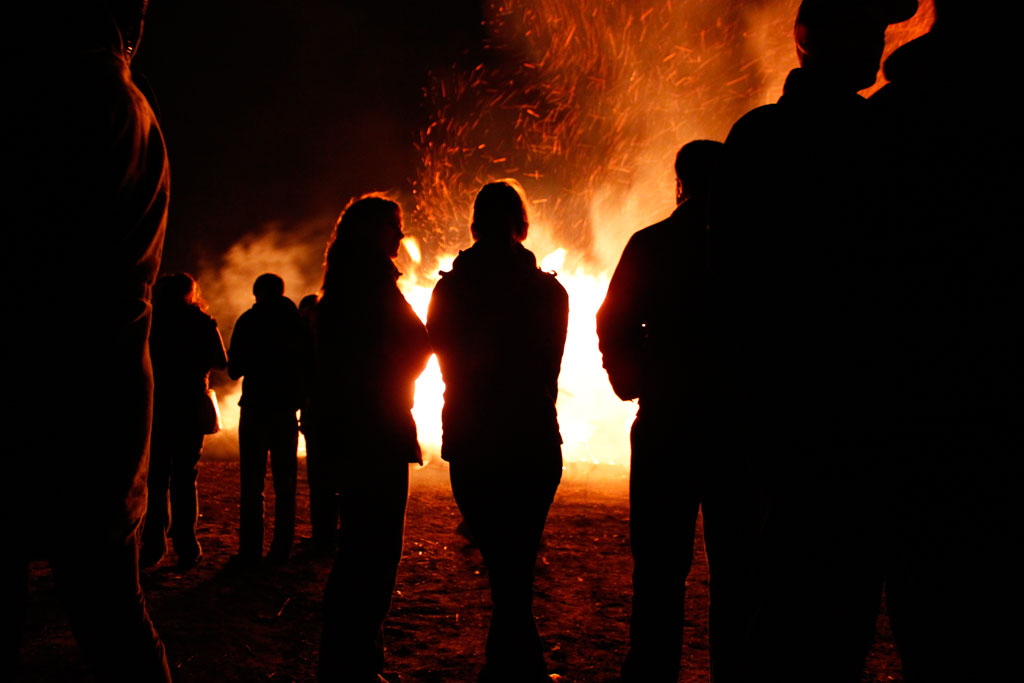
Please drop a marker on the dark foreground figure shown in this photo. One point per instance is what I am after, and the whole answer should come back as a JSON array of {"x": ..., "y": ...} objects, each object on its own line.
[
  {"x": 799, "y": 244},
  {"x": 184, "y": 345},
  {"x": 498, "y": 325},
  {"x": 323, "y": 495},
  {"x": 267, "y": 348},
  {"x": 369, "y": 348},
  {"x": 658, "y": 340},
  {"x": 84, "y": 203},
  {"x": 955, "y": 282}
]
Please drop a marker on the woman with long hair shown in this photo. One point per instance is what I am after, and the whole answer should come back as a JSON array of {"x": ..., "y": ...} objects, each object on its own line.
[
  {"x": 185, "y": 345},
  {"x": 498, "y": 325},
  {"x": 369, "y": 348}
]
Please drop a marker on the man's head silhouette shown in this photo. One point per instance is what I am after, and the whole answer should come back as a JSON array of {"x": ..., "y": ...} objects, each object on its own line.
[
  {"x": 843, "y": 40},
  {"x": 499, "y": 214},
  {"x": 268, "y": 286},
  {"x": 697, "y": 163}
]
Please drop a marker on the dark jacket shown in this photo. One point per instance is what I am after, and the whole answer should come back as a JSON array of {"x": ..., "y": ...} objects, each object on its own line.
[
  {"x": 498, "y": 325},
  {"x": 955, "y": 236},
  {"x": 370, "y": 347},
  {"x": 84, "y": 203},
  {"x": 185, "y": 345},
  {"x": 795, "y": 248},
  {"x": 268, "y": 346},
  {"x": 654, "y": 326}
]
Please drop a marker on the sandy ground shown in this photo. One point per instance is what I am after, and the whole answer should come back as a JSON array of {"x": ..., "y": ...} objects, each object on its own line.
[{"x": 264, "y": 625}]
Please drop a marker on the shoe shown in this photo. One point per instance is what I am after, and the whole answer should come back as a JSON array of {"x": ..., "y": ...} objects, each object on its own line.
[
  {"x": 186, "y": 563},
  {"x": 189, "y": 552},
  {"x": 240, "y": 562},
  {"x": 149, "y": 557},
  {"x": 278, "y": 557}
]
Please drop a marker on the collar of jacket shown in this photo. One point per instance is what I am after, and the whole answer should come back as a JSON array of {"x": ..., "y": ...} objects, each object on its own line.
[
  {"x": 806, "y": 86},
  {"x": 484, "y": 256}
]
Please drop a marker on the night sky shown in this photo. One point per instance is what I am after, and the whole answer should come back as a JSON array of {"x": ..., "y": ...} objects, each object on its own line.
[{"x": 283, "y": 111}]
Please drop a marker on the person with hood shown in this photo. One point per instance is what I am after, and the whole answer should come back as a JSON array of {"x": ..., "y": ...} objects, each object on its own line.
[
  {"x": 267, "y": 349},
  {"x": 84, "y": 210},
  {"x": 954, "y": 280},
  {"x": 185, "y": 345},
  {"x": 498, "y": 326},
  {"x": 657, "y": 335},
  {"x": 369, "y": 348},
  {"x": 797, "y": 243}
]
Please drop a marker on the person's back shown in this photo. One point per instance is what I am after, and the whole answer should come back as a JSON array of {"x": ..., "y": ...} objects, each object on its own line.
[
  {"x": 183, "y": 351},
  {"x": 954, "y": 284},
  {"x": 497, "y": 323},
  {"x": 83, "y": 205},
  {"x": 658, "y": 341},
  {"x": 498, "y": 326},
  {"x": 370, "y": 348},
  {"x": 655, "y": 326},
  {"x": 267, "y": 348},
  {"x": 796, "y": 252}
]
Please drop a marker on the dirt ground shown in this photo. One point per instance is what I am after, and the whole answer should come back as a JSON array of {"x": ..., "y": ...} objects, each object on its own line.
[{"x": 264, "y": 625}]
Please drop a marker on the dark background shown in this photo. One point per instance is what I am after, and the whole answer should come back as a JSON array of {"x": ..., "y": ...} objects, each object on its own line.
[{"x": 283, "y": 111}]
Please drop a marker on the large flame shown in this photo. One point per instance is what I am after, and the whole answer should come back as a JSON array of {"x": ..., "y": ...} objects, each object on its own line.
[{"x": 585, "y": 104}]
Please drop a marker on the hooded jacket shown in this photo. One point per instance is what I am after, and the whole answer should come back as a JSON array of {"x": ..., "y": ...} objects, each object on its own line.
[{"x": 498, "y": 326}]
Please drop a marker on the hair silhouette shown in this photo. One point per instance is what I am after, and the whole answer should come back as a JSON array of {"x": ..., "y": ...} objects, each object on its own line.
[{"x": 499, "y": 213}]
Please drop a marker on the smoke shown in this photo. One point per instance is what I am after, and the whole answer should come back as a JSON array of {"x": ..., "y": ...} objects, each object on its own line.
[
  {"x": 586, "y": 105},
  {"x": 295, "y": 253}
]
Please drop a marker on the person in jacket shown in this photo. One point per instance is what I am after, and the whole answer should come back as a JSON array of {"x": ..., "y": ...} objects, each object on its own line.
[
  {"x": 657, "y": 335},
  {"x": 796, "y": 249},
  {"x": 185, "y": 345},
  {"x": 369, "y": 348},
  {"x": 955, "y": 363},
  {"x": 323, "y": 498},
  {"x": 84, "y": 210},
  {"x": 498, "y": 326},
  {"x": 267, "y": 348}
]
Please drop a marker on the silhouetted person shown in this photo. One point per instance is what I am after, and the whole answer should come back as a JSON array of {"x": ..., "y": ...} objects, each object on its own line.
[
  {"x": 954, "y": 282},
  {"x": 185, "y": 345},
  {"x": 84, "y": 201},
  {"x": 267, "y": 349},
  {"x": 657, "y": 337},
  {"x": 797, "y": 245},
  {"x": 498, "y": 325},
  {"x": 369, "y": 349},
  {"x": 323, "y": 496}
]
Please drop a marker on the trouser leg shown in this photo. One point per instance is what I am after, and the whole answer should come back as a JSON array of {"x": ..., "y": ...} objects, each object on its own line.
[
  {"x": 664, "y": 501},
  {"x": 323, "y": 498},
  {"x": 185, "y": 500},
  {"x": 819, "y": 567},
  {"x": 157, "y": 518},
  {"x": 284, "y": 469},
  {"x": 252, "y": 450},
  {"x": 507, "y": 510},
  {"x": 99, "y": 584},
  {"x": 953, "y": 587},
  {"x": 358, "y": 594},
  {"x": 729, "y": 509}
]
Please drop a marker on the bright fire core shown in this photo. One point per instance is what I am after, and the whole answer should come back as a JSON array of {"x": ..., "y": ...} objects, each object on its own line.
[
  {"x": 593, "y": 421},
  {"x": 585, "y": 104}
]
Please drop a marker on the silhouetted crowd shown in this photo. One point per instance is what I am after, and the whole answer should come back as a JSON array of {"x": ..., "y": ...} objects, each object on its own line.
[{"x": 823, "y": 339}]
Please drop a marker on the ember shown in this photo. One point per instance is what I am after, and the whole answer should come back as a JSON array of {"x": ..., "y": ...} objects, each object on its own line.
[{"x": 586, "y": 107}]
